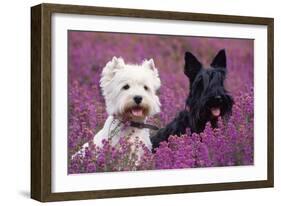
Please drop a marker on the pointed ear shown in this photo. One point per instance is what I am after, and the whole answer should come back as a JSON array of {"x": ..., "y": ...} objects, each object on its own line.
[
  {"x": 110, "y": 70},
  {"x": 220, "y": 60},
  {"x": 192, "y": 66},
  {"x": 117, "y": 63},
  {"x": 149, "y": 64}
]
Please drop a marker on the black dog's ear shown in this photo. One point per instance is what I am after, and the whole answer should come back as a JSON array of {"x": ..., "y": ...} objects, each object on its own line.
[
  {"x": 192, "y": 66},
  {"x": 220, "y": 60}
]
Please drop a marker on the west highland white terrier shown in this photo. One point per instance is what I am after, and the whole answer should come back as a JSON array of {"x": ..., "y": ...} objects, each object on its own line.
[{"x": 130, "y": 96}]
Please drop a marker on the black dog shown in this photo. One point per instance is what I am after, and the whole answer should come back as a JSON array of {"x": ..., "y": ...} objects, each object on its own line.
[{"x": 207, "y": 98}]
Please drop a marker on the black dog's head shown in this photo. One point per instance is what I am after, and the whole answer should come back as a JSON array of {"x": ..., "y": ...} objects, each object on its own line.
[{"x": 208, "y": 98}]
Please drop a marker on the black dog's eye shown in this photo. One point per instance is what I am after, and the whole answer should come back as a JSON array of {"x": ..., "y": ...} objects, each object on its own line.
[
  {"x": 145, "y": 88},
  {"x": 125, "y": 87}
]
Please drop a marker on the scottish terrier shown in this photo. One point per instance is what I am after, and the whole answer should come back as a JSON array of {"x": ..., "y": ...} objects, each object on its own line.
[{"x": 207, "y": 100}]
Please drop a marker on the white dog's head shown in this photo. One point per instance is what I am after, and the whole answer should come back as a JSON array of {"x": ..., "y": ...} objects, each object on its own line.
[{"x": 130, "y": 90}]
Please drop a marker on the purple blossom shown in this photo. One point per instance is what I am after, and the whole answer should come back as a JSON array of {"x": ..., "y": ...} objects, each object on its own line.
[{"x": 228, "y": 145}]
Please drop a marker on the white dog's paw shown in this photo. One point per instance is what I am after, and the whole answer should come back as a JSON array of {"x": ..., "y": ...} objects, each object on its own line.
[{"x": 82, "y": 151}]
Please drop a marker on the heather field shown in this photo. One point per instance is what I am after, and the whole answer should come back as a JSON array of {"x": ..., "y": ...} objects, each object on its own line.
[{"x": 230, "y": 144}]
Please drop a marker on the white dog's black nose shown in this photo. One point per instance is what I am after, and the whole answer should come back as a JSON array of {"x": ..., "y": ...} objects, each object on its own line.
[{"x": 137, "y": 99}]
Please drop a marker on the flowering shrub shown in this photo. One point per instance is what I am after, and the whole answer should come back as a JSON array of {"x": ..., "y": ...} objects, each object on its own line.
[{"x": 230, "y": 144}]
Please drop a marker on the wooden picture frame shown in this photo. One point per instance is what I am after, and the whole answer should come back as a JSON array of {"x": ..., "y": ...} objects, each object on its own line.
[{"x": 41, "y": 98}]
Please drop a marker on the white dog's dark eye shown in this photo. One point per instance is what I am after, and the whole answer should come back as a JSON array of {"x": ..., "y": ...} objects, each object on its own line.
[
  {"x": 145, "y": 87},
  {"x": 157, "y": 92},
  {"x": 125, "y": 87}
]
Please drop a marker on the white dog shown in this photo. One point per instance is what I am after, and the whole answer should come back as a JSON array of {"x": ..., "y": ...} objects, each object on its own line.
[{"x": 130, "y": 96}]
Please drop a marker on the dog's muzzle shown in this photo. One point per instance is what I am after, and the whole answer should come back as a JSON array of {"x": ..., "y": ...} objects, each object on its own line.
[{"x": 215, "y": 105}]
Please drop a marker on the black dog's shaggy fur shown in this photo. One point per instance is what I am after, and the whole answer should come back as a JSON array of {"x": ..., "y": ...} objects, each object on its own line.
[{"x": 207, "y": 98}]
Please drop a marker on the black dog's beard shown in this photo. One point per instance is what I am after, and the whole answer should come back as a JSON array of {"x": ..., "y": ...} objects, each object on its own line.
[{"x": 209, "y": 110}]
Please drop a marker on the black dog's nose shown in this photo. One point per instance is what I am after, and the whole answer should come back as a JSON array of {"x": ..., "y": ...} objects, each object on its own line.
[
  {"x": 137, "y": 99},
  {"x": 218, "y": 98}
]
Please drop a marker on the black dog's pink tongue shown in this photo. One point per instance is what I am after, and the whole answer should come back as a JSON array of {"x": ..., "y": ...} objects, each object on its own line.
[{"x": 216, "y": 111}]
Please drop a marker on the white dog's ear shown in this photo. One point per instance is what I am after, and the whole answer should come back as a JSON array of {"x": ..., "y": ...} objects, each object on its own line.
[
  {"x": 150, "y": 65},
  {"x": 117, "y": 63},
  {"x": 110, "y": 70}
]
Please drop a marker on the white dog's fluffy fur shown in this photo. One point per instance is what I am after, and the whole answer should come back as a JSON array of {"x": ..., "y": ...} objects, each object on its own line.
[{"x": 121, "y": 83}]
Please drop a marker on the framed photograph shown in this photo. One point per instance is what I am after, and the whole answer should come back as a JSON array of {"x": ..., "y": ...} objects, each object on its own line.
[{"x": 130, "y": 102}]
